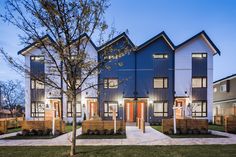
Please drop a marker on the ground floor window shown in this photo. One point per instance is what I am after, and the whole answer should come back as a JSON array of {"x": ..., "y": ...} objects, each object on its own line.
[
  {"x": 108, "y": 106},
  {"x": 199, "y": 109},
  {"x": 78, "y": 109},
  {"x": 37, "y": 109},
  {"x": 160, "y": 108}
]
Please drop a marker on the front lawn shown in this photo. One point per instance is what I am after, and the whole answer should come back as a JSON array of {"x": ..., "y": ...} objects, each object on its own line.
[
  {"x": 84, "y": 136},
  {"x": 69, "y": 128},
  {"x": 13, "y": 130},
  {"x": 158, "y": 128},
  {"x": 216, "y": 128},
  {"x": 122, "y": 151}
]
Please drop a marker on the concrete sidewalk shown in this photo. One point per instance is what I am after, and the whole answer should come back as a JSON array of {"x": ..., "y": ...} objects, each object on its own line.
[{"x": 134, "y": 137}]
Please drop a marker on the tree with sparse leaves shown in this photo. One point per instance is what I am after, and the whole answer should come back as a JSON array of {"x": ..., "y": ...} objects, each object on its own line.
[
  {"x": 12, "y": 96},
  {"x": 66, "y": 22}
]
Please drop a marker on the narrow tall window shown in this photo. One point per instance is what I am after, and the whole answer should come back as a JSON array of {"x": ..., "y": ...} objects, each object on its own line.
[
  {"x": 199, "y": 82},
  {"x": 160, "y": 82},
  {"x": 160, "y": 109}
]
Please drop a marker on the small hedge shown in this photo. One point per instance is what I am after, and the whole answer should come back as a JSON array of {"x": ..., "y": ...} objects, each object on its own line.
[
  {"x": 195, "y": 131},
  {"x": 33, "y": 132},
  {"x": 120, "y": 131}
]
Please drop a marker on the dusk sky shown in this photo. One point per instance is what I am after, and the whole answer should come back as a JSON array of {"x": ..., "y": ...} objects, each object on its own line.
[{"x": 180, "y": 19}]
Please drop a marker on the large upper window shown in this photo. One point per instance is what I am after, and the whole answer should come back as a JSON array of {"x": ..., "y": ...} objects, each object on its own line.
[
  {"x": 35, "y": 84},
  {"x": 108, "y": 109},
  {"x": 199, "y": 55},
  {"x": 199, "y": 82},
  {"x": 110, "y": 83},
  {"x": 199, "y": 109},
  {"x": 160, "y": 109},
  {"x": 160, "y": 82},
  {"x": 37, "y": 109},
  {"x": 70, "y": 109},
  {"x": 160, "y": 56}
]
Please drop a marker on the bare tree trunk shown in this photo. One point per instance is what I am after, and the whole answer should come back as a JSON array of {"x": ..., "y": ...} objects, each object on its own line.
[{"x": 73, "y": 144}]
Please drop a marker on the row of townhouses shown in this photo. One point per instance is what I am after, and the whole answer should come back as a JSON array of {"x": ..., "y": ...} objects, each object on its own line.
[{"x": 158, "y": 75}]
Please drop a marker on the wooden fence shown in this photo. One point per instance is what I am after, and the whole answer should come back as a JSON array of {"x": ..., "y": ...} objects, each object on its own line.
[
  {"x": 8, "y": 123},
  {"x": 43, "y": 125},
  {"x": 101, "y": 125},
  {"x": 230, "y": 124},
  {"x": 183, "y": 125}
]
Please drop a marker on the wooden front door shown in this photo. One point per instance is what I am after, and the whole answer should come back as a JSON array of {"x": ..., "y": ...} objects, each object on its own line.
[
  {"x": 129, "y": 108},
  {"x": 141, "y": 109},
  {"x": 93, "y": 109}
]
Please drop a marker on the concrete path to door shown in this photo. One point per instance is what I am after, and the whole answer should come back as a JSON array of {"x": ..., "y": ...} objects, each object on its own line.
[{"x": 134, "y": 137}]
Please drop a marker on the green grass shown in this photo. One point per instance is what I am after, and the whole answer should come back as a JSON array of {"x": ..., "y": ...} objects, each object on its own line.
[
  {"x": 28, "y": 137},
  {"x": 83, "y": 136},
  {"x": 158, "y": 128},
  {"x": 69, "y": 128},
  {"x": 13, "y": 130},
  {"x": 122, "y": 151},
  {"x": 197, "y": 136},
  {"x": 216, "y": 128}
]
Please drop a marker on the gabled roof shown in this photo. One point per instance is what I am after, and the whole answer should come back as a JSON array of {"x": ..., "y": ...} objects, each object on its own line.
[
  {"x": 117, "y": 38},
  {"x": 34, "y": 43},
  {"x": 225, "y": 78},
  {"x": 162, "y": 34},
  {"x": 206, "y": 37},
  {"x": 51, "y": 40}
]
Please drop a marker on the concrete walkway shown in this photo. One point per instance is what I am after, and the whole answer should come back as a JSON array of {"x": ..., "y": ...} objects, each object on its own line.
[{"x": 134, "y": 137}]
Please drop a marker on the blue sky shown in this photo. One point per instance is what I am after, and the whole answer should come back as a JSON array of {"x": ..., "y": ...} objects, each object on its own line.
[{"x": 180, "y": 19}]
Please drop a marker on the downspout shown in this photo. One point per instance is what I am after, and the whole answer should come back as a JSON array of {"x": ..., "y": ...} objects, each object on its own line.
[
  {"x": 62, "y": 91},
  {"x": 135, "y": 84}
]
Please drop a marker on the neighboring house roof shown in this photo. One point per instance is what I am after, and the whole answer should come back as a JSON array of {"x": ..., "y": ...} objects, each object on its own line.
[
  {"x": 27, "y": 48},
  {"x": 206, "y": 37},
  {"x": 225, "y": 78},
  {"x": 117, "y": 38},
  {"x": 162, "y": 34}
]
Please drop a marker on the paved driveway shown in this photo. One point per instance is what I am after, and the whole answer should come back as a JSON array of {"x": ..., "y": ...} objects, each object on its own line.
[{"x": 134, "y": 137}]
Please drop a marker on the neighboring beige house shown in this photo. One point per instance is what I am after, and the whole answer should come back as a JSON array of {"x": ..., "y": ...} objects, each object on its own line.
[{"x": 224, "y": 102}]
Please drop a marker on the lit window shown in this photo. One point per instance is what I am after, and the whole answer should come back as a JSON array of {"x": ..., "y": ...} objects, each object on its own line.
[
  {"x": 160, "y": 56},
  {"x": 215, "y": 89},
  {"x": 223, "y": 88},
  {"x": 37, "y": 109},
  {"x": 70, "y": 109},
  {"x": 160, "y": 82},
  {"x": 39, "y": 85},
  {"x": 110, "y": 83},
  {"x": 108, "y": 109},
  {"x": 37, "y": 58},
  {"x": 199, "y": 55},
  {"x": 160, "y": 109},
  {"x": 199, "y": 109},
  {"x": 199, "y": 82}
]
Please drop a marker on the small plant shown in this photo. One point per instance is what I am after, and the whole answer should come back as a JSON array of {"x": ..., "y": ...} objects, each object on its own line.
[
  {"x": 33, "y": 132},
  {"x": 96, "y": 132}
]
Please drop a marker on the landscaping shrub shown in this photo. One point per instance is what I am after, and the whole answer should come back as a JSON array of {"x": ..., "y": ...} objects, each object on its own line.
[
  {"x": 111, "y": 131},
  {"x": 203, "y": 131},
  {"x": 101, "y": 132},
  {"x": 57, "y": 133},
  {"x": 40, "y": 132},
  {"x": 25, "y": 132},
  {"x": 190, "y": 131},
  {"x": 106, "y": 132},
  {"x": 96, "y": 132},
  {"x": 196, "y": 131},
  {"x": 1, "y": 133},
  {"x": 47, "y": 132},
  {"x": 33, "y": 132}
]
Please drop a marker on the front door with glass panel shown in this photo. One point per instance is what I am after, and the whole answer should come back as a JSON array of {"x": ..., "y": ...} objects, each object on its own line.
[{"x": 129, "y": 108}]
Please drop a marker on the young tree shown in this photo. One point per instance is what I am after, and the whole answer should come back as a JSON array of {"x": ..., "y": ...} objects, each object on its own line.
[
  {"x": 13, "y": 95},
  {"x": 70, "y": 25}
]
